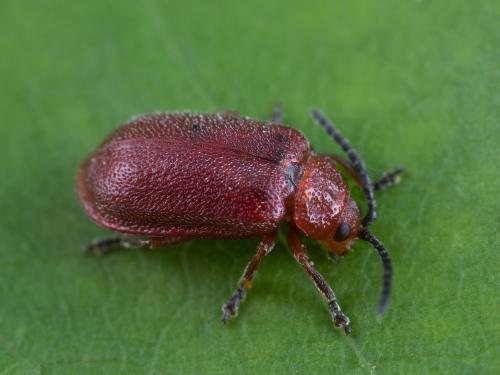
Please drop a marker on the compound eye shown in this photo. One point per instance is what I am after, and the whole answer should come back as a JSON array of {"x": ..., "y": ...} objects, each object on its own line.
[{"x": 342, "y": 233}]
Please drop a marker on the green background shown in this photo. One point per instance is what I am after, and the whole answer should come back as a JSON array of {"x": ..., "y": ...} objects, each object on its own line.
[{"x": 412, "y": 83}]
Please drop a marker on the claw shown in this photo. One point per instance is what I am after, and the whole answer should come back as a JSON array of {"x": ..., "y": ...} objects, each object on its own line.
[
  {"x": 232, "y": 306},
  {"x": 340, "y": 320},
  {"x": 227, "y": 311}
]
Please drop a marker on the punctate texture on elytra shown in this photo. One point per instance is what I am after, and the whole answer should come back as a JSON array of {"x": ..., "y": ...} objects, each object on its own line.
[{"x": 193, "y": 175}]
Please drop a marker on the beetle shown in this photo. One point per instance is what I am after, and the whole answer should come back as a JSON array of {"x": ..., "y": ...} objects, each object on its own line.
[{"x": 166, "y": 178}]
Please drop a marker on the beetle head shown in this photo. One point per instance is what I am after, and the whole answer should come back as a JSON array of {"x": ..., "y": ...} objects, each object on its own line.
[
  {"x": 323, "y": 209},
  {"x": 346, "y": 231}
]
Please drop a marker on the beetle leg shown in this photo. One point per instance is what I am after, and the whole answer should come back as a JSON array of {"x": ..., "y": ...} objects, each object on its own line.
[
  {"x": 357, "y": 164},
  {"x": 387, "y": 179},
  {"x": 277, "y": 114},
  {"x": 101, "y": 246},
  {"x": 301, "y": 255},
  {"x": 231, "y": 307}
]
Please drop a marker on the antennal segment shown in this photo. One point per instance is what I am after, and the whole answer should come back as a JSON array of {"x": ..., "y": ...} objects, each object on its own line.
[
  {"x": 357, "y": 163},
  {"x": 387, "y": 264}
]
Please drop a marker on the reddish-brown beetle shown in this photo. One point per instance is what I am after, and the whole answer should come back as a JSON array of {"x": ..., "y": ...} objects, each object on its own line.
[{"x": 172, "y": 177}]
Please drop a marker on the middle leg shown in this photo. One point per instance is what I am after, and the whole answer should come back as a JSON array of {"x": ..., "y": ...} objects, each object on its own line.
[
  {"x": 277, "y": 115},
  {"x": 232, "y": 306}
]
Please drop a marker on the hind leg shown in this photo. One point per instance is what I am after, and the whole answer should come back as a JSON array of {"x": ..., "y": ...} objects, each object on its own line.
[{"x": 104, "y": 245}]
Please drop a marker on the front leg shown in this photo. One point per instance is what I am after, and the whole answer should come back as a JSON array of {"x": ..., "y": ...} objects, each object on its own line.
[
  {"x": 231, "y": 307},
  {"x": 301, "y": 255},
  {"x": 388, "y": 179}
]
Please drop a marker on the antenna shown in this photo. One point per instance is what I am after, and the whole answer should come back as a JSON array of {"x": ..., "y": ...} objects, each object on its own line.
[
  {"x": 357, "y": 164},
  {"x": 385, "y": 295}
]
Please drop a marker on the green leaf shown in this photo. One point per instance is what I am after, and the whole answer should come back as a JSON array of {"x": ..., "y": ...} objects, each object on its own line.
[{"x": 410, "y": 83}]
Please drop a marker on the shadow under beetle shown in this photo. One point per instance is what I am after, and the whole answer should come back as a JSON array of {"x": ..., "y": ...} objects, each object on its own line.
[{"x": 166, "y": 178}]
